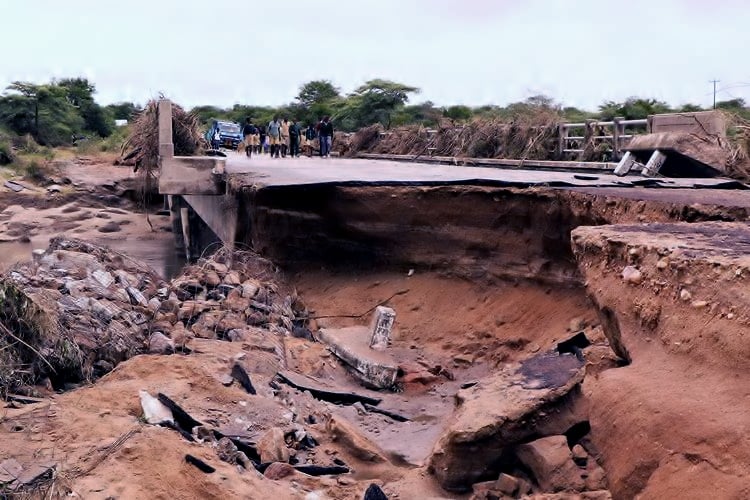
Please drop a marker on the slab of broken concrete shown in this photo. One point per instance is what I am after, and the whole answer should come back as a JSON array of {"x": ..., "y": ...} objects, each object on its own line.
[
  {"x": 537, "y": 397},
  {"x": 374, "y": 368}
]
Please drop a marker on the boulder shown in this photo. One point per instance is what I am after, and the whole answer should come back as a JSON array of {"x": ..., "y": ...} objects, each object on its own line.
[
  {"x": 211, "y": 279},
  {"x": 538, "y": 397},
  {"x": 159, "y": 343},
  {"x": 272, "y": 447},
  {"x": 279, "y": 470},
  {"x": 551, "y": 462}
]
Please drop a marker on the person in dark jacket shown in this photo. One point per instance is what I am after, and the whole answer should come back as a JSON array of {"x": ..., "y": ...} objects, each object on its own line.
[
  {"x": 250, "y": 132},
  {"x": 262, "y": 138},
  {"x": 326, "y": 137},
  {"x": 310, "y": 136},
  {"x": 294, "y": 136}
]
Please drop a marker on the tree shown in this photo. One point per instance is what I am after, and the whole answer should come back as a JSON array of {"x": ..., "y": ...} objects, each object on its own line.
[
  {"x": 123, "y": 110},
  {"x": 317, "y": 92},
  {"x": 43, "y": 111},
  {"x": 633, "y": 108},
  {"x": 732, "y": 104},
  {"x": 80, "y": 93},
  {"x": 376, "y": 100},
  {"x": 459, "y": 113},
  {"x": 689, "y": 108}
]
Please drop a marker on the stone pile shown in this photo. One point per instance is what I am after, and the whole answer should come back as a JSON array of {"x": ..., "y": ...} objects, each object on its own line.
[
  {"x": 230, "y": 296},
  {"x": 72, "y": 314}
]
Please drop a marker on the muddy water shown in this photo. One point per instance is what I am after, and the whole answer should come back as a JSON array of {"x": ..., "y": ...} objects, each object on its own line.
[{"x": 158, "y": 252}]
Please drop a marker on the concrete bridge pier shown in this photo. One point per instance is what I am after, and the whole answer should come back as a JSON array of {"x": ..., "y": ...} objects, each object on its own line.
[{"x": 204, "y": 215}]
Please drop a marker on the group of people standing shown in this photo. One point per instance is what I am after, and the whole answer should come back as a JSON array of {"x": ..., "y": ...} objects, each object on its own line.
[{"x": 280, "y": 138}]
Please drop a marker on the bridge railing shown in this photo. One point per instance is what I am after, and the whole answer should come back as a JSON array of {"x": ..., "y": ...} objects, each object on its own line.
[
  {"x": 616, "y": 132},
  {"x": 570, "y": 143}
]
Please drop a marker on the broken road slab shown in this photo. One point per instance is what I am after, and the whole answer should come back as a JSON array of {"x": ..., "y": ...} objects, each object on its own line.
[
  {"x": 374, "y": 368},
  {"x": 534, "y": 398}
]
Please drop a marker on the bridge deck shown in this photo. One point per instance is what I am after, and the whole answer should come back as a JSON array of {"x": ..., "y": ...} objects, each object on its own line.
[{"x": 262, "y": 171}]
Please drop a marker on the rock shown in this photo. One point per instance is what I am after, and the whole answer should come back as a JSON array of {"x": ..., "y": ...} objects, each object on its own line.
[
  {"x": 159, "y": 343},
  {"x": 235, "y": 301},
  {"x": 104, "y": 278},
  {"x": 230, "y": 321},
  {"x": 699, "y": 304},
  {"x": 357, "y": 445},
  {"x": 250, "y": 288},
  {"x": 632, "y": 275},
  {"x": 374, "y": 492},
  {"x": 484, "y": 491},
  {"x": 507, "y": 484},
  {"x": 110, "y": 227},
  {"x": 596, "y": 479},
  {"x": 191, "y": 309},
  {"x": 212, "y": 279},
  {"x": 551, "y": 462},
  {"x": 279, "y": 470},
  {"x": 232, "y": 278},
  {"x": 685, "y": 295},
  {"x": 272, "y": 447},
  {"x": 54, "y": 188},
  {"x": 534, "y": 398},
  {"x": 663, "y": 263},
  {"x": 463, "y": 359},
  {"x": 219, "y": 267},
  {"x": 136, "y": 297},
  {"x": 154, "y": 411},
  {"x": 580, "y": 456}
]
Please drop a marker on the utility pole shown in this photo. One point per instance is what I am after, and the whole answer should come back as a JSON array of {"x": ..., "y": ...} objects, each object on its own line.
[{"x": 715, "y": 82}]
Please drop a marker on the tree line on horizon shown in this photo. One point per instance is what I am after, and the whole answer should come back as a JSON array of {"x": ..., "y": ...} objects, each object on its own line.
[{"x": 62, "y": 111}]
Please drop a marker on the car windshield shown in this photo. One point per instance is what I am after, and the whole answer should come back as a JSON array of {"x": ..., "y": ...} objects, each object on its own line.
[{"x": 229, "y": 128}]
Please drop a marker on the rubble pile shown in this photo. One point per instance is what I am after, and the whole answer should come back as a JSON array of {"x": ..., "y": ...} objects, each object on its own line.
[
  {"x": 230, "y": 296},
  {"x": 72, "y": 314}
]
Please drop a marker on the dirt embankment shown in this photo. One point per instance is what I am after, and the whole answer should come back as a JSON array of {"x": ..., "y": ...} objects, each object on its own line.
[
  {"x": 672, "y": 423},
  {"x": 474, "y": 232}
]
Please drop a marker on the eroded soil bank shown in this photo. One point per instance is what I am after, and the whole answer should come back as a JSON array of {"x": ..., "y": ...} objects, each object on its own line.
[{"x": 512, "y": 380}]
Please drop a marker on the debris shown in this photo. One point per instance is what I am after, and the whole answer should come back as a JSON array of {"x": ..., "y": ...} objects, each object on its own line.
[
  {"x": 551, "y": 462},
  {"x": 374, "y": 492},
  {"x": 381, "y": 326},
  {"x": 110, "y": 227},
  {"x": 321, "y": 470},
  {"x": 318, "y": 391},
  {"x": 240, "y": 374},
  {"x": 685, "y": 295},
  {"x": 360, "y": 447},
  {"x": 136, "y": 297},
  {"x": 54, "y": 188},
  {"x": 159, "y": 343},
  {"x": 375, "y": 369},
  {"x": 154, "y": 411},
  {"x": 181, "y": 418},
  {"x": 200, "y": 464},
  {"x": 507, "y": 484},
  {"x": 14, "y": 186},
  {"x": 10, "y": 470},
  {"x": 227, "y": 452},
  {"x": 632, "y": 275},
  {"x": 387, "y": 413},
  {"x": 278, "y": 470},
  {"x": 523, "y": 401},
  {"x": 272, "y": 446}
]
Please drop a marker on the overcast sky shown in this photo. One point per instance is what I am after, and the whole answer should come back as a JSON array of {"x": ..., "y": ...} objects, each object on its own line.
[{"x": 580, "y": 52}]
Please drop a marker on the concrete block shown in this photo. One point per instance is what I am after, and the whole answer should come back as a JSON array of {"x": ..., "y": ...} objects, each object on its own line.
[
  {"x": 192, "y": 175},
  {"x": 352, "y": 345},
  {"x": 626, "y": 164},
  {"x": 654, "y": 164},
  {"x": 702, "y": 123},
  {"x": 381, "y": 327}
]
